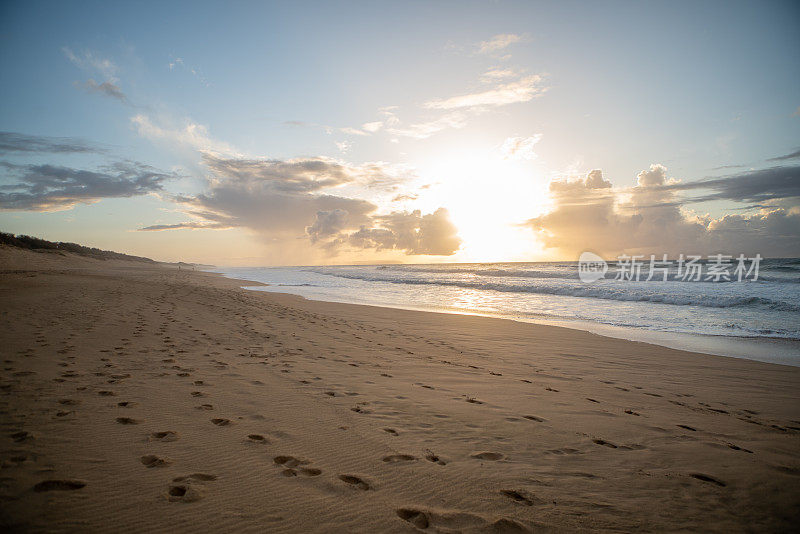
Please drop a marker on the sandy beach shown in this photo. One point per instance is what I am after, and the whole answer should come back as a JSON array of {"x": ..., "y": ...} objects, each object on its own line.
[{"x": 137, "y": 398}]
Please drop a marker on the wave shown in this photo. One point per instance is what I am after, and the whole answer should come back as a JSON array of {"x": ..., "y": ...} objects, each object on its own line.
[
  {"x": 570, "y": 272},
  {"x": 630, "y": 294}
]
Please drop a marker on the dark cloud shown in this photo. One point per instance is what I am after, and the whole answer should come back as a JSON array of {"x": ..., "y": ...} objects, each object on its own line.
[
  {"x": 650, "y": 218},
  {"x": 759, "y": 186},
  {"x": 301, "y": 175},
  {"x": 106, "y": 88},
  {"x": 792, "y": 155},
  {"x": 183, "y": 225},
  {"x": 51, "y": 187},
  {"x": 283, "y": 200},
  {"x": 280, "y": 199},
  {"x": 724, "y": 167},
  {"x": 17, "y": 142},
  {"x": 327, "y": 224},
  {"x": 411, "y": 232}
]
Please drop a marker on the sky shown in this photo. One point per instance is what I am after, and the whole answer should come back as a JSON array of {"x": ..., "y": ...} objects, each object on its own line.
[{"x": 298, "y": 133}]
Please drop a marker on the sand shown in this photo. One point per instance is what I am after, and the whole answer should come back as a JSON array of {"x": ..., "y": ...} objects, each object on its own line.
[{"x": 136, "y": 398}]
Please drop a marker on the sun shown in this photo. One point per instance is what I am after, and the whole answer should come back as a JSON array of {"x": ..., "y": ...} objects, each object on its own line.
[{"x": 489, "y": 198}]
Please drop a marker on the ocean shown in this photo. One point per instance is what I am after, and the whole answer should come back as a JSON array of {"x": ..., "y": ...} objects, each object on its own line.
[{"x": 754, "y": 319}]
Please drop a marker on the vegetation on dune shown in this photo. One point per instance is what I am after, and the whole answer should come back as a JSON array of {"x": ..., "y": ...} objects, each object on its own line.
[{"x": 36, "y": 244}]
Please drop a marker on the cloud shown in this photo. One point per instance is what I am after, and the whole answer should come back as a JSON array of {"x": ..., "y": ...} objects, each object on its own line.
[
  {"x": 105, "y": 88},
  {"x": 283, "y": 200},
  {"x": 179, "y": 62},
  {"x": 343, "y": 146},
  {"x": 298, "y": 175},
  {"x": 411, "y": 232},
  {"x": 372, "y": 126},
  {"x": 352, "y": 131},
  {"x": 791, "y": 155},
  {"x": 498, "y": 73},
  {"x": 89, "y": 60},
  {"x": 651, "y": 218},
  {"x": 327, "y": 224},
  {"x": 757, "y": 187},
  {"x": 54, "y": 188},
  {"x": 498, "y": 42},
  {"x": 191, "y": 134},
  {"x": 454, "y": 112},
  {"x": 522, "y": 90},
  {"x": 279, "y": 197},
  {"x": 425, "y": 129},
  {"x": 184, "y": 226},
  {"x": 17, "y": 142},
  {"x": 520, "y": 147},
  {"x": 726, "y": 167}
]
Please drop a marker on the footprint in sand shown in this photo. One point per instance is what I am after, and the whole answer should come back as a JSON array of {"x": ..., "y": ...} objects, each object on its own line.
[
  {"x": 206, "y": 407},
  {"x": 21, "y": 436},
  {"x": 151, "y": 460},
  {"x": 305, "y": 471},
  {"x": 257, "y": 438},
  {"x": 355, "y": 481},
  {"x": 534, "y": 418},
  {"x": 167, "y": 435},
  {"x": 58, "y": 485},
  {"x": 687, "y": 427},
  {"x": 518, "y": 496},
  {"x": 457, "y": 521},
  {"x": 391, "y": 431},
  {"x": 604, "y": 443},
  {"x": 435, "y": 458},
  {"x": 188, "y": 488},
  {"x": 738, "y": 448},
  {"x": 106, "y": 393},
  {"x": 707, "y": 478},
  {"x": 219, "y": 421},
  {"x": 128, "y": 421},
  {"x": 492, "y": 456},
  {"x": 310, "y": 471},
  {"x": 417, "y": 518}
]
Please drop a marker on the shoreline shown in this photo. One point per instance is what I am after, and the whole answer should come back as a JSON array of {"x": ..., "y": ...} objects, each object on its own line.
[
  {"x": 147, "y": 395},
  {"x": 779, "y": 351}
]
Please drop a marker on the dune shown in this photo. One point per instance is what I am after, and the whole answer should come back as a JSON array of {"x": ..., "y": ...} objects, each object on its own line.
[{"x": 139, "y": 397}]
